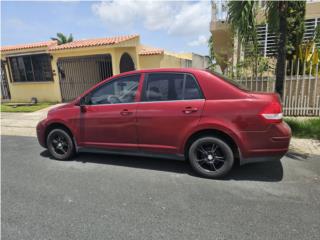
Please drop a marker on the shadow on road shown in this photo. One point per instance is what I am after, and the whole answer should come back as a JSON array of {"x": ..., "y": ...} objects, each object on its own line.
[
  {"x": 268, "y": 172},
  {"x": 297, "y": 156}
]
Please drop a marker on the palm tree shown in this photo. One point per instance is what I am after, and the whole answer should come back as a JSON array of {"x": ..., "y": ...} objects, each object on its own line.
[
  {"x": 242, "y": 18},
  {"x": 61, "y": 38}
]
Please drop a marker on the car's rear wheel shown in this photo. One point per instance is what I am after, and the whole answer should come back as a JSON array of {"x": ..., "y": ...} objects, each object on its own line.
[
  {"x": 211, "y": 157},
  {"x": 60, "y": 144}
]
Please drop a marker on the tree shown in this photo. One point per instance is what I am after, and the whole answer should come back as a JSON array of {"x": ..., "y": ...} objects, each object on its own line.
[
  {"x": 295, "y": 19},
  {"x": 242, "y": 18},
  {"x": 61, "y": 38},
  {"x": 286, "y": 19},
  {"x": 213, "y": 57},
  {"x": 277, "y": 16},
  {"x": 211, "y": 54},
  {"x": 309, "y": 54}
]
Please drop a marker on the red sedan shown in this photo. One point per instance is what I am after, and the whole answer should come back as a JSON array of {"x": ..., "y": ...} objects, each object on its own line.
[{"x": 189, "y": 114}]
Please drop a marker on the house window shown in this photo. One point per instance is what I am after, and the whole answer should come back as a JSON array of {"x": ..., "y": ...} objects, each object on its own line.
[{"x": 31, "y": 68}]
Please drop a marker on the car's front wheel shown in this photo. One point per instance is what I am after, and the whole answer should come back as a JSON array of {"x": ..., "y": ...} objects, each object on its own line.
[
  {"x": 60, "y": 144},
  {"x": 211, "y": 157}
]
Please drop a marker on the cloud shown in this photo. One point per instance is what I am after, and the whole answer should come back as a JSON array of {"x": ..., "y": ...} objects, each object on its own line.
[
  {"x": 176, "y": 18},
  {"x": 192, "y": 18},
  {"x": 16, "y": 23},
  {"x": 201, "y": 40}
]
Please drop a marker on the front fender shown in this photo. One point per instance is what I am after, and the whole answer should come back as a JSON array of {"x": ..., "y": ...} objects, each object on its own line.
[{"x": 68, "y": 125}]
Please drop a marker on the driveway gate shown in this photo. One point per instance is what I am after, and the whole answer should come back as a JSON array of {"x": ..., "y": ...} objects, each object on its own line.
[
  {"x": 77, "y": 74},
  {"x": 5, "y": 92}
]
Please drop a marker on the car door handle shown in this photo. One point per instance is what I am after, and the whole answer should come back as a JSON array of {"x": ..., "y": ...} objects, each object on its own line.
[
  {"x": 125, "y": 112},
  {"x": 189, "y": 110}
]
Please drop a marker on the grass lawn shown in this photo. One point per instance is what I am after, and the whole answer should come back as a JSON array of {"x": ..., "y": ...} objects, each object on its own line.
[
  {"x": 5, "y": 107},
  {"x": 304, "y": 128}
]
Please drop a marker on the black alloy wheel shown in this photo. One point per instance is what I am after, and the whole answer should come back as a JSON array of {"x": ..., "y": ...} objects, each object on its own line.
[
  {"x": 211, "y": 157},
  {"x": 60, "y": 144}
]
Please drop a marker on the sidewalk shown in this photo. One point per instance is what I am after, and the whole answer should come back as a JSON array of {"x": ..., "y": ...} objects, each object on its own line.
[
  {"x": 24, "y": 124},
  {"x": 305, "y": 146}
]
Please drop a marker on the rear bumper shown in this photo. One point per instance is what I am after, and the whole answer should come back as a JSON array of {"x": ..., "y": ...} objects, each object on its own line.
[
  {"x": 268, "y": 145},
  {"x": 260, "y": 159}
]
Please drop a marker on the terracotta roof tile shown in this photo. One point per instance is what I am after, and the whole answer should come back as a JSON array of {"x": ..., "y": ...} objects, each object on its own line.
[
  {"x": 93, "y": 42},
  {"x": 28, "y": 46},
  {"x": 146, "y": 51}
]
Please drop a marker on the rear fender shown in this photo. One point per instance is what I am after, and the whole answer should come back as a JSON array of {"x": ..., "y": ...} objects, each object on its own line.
[{"x": 211, "y": 126}]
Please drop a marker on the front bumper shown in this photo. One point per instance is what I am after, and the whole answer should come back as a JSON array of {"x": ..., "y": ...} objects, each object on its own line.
[{"x": 41, "y": 133}]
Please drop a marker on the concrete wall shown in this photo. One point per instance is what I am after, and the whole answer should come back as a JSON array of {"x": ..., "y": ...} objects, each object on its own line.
[
  {"x": 43, "y": 91},
  {"x": 160, "y": 61},
  {"x": 312, "y": 11},
  {"x": 169, "y": 61},
  {"x": 150, "y": 61},
  {"x": 199, "y": 61}
]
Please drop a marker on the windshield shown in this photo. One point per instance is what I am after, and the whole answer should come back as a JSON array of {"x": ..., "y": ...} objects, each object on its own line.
[{"x": 231, "y": 81}]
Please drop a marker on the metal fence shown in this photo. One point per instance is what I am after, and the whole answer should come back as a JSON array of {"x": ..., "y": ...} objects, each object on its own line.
[
  {"x": 5, "y": 92},
  {"x": 301, "y": 88}
]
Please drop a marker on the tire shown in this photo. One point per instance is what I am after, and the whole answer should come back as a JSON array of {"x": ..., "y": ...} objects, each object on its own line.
[
  {"x": 211, "y": 157},
  {"x": 60, "y": 144}
]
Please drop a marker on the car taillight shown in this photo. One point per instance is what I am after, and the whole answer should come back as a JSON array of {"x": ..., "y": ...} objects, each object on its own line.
[{"x": 272, "y": 113}]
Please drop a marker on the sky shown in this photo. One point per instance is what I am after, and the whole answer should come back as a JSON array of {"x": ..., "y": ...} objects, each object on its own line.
[{"x": 178, "y": 26}]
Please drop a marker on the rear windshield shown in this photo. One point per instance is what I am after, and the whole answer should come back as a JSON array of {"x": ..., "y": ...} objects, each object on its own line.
[{"x": 232, "y": 82}]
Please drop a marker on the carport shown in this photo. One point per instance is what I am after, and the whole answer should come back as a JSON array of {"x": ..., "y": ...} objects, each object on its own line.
[{"x": 77, "y": 74}]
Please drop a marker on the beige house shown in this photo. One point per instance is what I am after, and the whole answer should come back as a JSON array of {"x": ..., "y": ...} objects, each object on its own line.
[{"x": 55, "y": 73}]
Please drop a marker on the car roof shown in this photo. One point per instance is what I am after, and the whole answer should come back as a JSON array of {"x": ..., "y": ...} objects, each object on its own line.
[{"x": 157, "y": 70}]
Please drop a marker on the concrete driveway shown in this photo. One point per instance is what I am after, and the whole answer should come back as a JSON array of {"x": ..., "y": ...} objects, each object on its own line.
[{"x": 114, "y": 197}]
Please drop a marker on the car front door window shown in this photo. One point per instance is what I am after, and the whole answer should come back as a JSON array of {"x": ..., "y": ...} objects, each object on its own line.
[{"x": 122, "y": 90}]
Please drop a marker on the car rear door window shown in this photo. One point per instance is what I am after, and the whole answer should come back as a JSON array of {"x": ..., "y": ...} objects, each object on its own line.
[
  {"x": 170, "y": 87},
  {"x": 164, "y": 87},
  {"x": 191, "y": 90}
]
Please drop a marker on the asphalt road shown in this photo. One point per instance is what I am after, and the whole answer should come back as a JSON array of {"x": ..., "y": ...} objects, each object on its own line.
[{"x": 113, "y": 197}]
